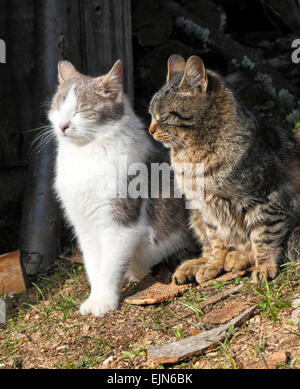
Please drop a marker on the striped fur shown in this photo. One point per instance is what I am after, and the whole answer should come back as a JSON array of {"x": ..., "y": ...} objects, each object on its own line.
[{"x": 251, "y": 210}]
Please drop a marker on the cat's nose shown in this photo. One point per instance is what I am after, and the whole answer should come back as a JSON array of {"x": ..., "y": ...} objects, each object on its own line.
[
  {"x": 64, "y": 126},
  {"x": 153, "y": 127}
]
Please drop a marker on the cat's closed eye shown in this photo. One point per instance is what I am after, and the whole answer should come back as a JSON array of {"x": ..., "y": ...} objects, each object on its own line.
[{"x": 179, "y": 116}]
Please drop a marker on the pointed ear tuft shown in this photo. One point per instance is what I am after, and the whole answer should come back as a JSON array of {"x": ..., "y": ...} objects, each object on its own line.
[
  {"x": 176, "y": 64},
  {"x": 66, "y": 71},
  {"x": 112, "y": 81},
  {"x": 195, "y": 75}
]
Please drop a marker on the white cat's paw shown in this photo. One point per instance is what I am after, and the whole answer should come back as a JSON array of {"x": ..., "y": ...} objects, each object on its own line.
[
  {"x": 98, "y": 307},
  {"x": 86, "y": 306}
]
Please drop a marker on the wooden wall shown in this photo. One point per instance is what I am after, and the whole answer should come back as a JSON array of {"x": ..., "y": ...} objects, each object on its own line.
[{"x": 94, "y": 36}]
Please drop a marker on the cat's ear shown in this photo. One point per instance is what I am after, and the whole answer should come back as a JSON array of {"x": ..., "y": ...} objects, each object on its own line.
[
  {"x": 195, "y": 77},
  {"x": 66, "y": 71},
  {"x": 176, "y": 65},
  {"x": 111, "y": 83}
]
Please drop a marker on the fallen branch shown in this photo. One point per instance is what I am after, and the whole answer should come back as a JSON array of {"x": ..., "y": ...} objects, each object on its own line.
[
  {"x": 220, "y": 296},
  {"x": 201, "y": 343}
]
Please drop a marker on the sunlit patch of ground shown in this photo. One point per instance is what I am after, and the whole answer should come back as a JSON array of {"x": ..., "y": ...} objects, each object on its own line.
[{"x": 44, "y": 328}]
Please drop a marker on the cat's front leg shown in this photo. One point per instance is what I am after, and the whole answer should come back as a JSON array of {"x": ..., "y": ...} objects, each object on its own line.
[
  {"x": 215, "y": 263},
  {"x": 236, "y": 261},
  {"x": 105, "y": 263},
  {"x": 102, "y": 299},
  {"x": 188, "y": 270}
]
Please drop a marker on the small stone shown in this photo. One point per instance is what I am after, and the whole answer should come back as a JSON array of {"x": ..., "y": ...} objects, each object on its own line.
[
  {"x": 271, "y": 361},
  {"x": 85, "y": 329},
  {"x": 108, "y": 360},
  {"x": 61, "y": 348},
  {"x": 296, "y": 303},
  {"x": 296, "y": 316}
]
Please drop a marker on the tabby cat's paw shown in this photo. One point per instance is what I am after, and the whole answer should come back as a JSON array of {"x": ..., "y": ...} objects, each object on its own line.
[
  {"x": 264, "y": 271},
  {"x": 208, "y": 272},
  {"x": 98, "y": 307},
  {"x": 187, "y": 271},
  {"x": 236, "y": 261}
]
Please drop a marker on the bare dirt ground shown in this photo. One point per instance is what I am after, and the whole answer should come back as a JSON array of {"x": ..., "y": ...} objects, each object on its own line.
[{"x": 44, "y": 328}]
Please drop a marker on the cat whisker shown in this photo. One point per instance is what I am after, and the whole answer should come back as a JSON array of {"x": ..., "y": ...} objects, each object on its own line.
[
  {"x": 43, "y": 144},
  {"x": 36, "y": 129},
  {"x": 40, "y": 141}
]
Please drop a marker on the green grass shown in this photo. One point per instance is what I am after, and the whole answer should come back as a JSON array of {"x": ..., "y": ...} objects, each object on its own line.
[
  {"x": 56, "y": 306},
  {"x": 91, "y": 359},
  {"x": 194, "y": 306},
  {"x": 43, "y": 285},
  {"x": 224, "y": 347},
  {"x": 296, "y": 124},
  {"x": 136, "y": 350},
  {"x": 274, "y": 295}
]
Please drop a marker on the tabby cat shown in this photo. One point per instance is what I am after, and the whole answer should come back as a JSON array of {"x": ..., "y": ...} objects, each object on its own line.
[{"x": 250, "y": 214}]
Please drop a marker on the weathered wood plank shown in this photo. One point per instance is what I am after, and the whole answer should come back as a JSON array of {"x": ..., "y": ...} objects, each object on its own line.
[
  {"x": 204, "y": 342},
  {"x": 11, "y": 274},
  {"x": 106, "y": 30},
  {"x": 16, "y": 80},
  {"x": 157, "y": 289}
]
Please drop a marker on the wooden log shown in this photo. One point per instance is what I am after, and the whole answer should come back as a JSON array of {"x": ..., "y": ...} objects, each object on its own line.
[
  {"x": 40, "y": 225},
  {"x": 201, "y": 343},
  {"x": 12, "y": 278}
]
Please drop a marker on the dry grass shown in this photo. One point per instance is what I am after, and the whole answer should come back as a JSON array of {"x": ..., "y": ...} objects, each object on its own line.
[{"x": 45, "y": 330}]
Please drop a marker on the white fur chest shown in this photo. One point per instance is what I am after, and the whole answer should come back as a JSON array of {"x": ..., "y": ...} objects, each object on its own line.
[{"x": 85, "y": 180}]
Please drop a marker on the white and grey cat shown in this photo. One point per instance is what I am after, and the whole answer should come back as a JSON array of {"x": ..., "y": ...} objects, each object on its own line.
[{"x": 94, "y": 126}]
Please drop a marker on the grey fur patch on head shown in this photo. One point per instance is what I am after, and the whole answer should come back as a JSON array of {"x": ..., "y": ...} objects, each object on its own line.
[{"x": 99, "y": 99}]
